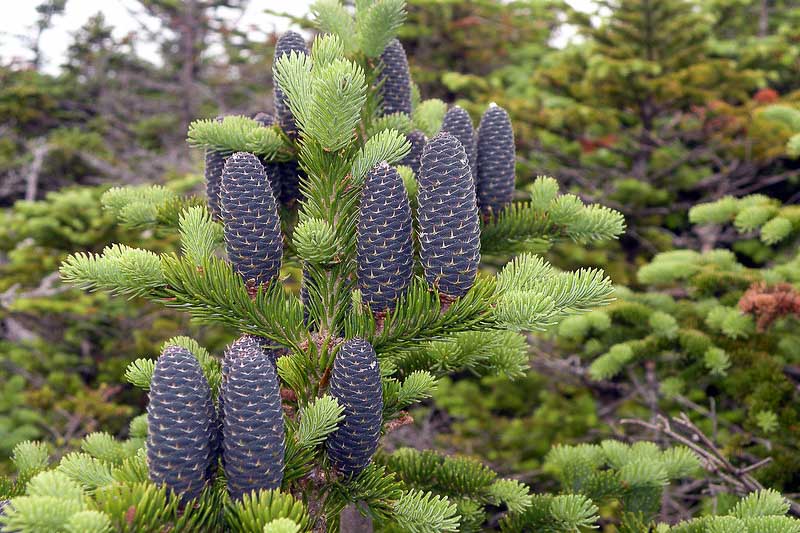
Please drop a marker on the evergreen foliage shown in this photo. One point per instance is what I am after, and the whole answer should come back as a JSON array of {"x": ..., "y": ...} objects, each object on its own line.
[
  {"x": 331, "y": 102},
  {"x": 421, "y": 302}
]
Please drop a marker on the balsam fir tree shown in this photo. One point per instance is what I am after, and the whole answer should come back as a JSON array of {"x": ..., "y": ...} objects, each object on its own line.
[
  {"x": 347, "y": 372},
  {"x": 281, "y": 435}
]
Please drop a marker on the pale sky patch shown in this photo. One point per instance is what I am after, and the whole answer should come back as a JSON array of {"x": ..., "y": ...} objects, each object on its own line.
[{"x": 19, "y": 16}]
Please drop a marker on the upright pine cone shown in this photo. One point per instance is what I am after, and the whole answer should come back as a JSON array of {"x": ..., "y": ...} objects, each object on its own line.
[
  {"x": 496, "y": 154},
  {"x": 288, "y": 42},
  {"x": 396, "y": 79},
  {"x": 289, "y": 175},
  {"x": 449, "y": 232},
  {"x": 243, "y": 347},
  {"x": 253, "y": 433},
  {"x": 252, "y": 226},
  {"x": 417, "y": 140},
  {"x": 271, "y": 168},
  {"x": 215, "y": 162},
  {"x": 356, "y": 384},
  {"x": 181, "y": 422},
  {"x": 458, "y": 123},
  {"x": 385, "y": 253}
]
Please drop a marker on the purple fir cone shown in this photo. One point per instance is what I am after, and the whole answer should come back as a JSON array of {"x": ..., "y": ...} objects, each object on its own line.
[{"x": 448, "y": 222}]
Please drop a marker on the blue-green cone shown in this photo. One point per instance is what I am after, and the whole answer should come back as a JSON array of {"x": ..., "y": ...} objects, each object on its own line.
[
  {"x": 288, "y": 42},
  {"x": 356, "y": 385},
  {"x": 417, "y": 140},
  {"x": 396, "y": 78},
  {"x": 253, "y": 433},
  {"x": 496, "y": 159},
  {"x": 448, "y": 223},
  {"x": 181, "y": 422},
  {"x": 458, "y": 123},
  {"x": 385, "y": 253},
  {"x": 250, "y": 215}
]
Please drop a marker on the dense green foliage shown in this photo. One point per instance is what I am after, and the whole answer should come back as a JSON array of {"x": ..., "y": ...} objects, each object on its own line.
[{"x": 671, "y": 408}]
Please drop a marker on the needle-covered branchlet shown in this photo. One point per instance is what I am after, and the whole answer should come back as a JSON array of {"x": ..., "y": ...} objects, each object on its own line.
[
  {"x": 356, "y": 385},
  {"x": 181, "y": 422},
  {"x": 417, "y": 140},
  {"x": 449, "y": 232},
  {"x": 250, "y": 215},
  {"x": 396, "y": 79},
  {"x": 287, "y": 43},
  {"x": 253, "y": 431},
  {"x": 385, "y": 253},
  {"x": 496, "y": 157},
  {"x": 458, "y": 123}
]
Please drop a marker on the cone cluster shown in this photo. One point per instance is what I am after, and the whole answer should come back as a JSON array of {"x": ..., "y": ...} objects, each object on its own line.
[
  {"x": 253, "y": 433},
  {"x": 458, "y": 123},
  {"x": 396, "y": 79},
  {"x": 449, "y": 232},
  {"x": 385, "y": 252},
  {"x": 250, "y": 215},
  {"x": 181, "y": 424},
  {"x": 288, "y": 42},
  {"x": 495, "y": 161},
  {"x": 356, "y": 385}
]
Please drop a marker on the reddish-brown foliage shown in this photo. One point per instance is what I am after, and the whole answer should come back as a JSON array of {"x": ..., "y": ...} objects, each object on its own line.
[
  {"x": 768, "y": 303},
  {"x": 766, "y": 96}
]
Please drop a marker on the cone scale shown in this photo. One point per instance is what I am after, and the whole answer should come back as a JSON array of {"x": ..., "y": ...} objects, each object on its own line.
[
  {"x": 271, "y": 169},
  {"x": 215, "y": 162},
  {"x": 417, "y": 140}
]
